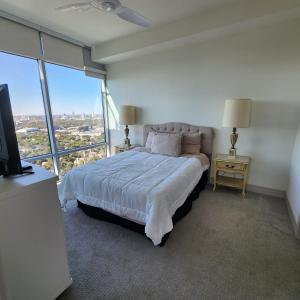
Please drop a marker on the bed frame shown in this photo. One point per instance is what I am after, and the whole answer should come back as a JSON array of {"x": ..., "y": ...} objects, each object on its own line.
[{"x": 206, "y": 148}]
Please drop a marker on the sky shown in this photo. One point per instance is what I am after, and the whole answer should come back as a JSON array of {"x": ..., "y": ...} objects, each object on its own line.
[{"x": 70, "y": 90}]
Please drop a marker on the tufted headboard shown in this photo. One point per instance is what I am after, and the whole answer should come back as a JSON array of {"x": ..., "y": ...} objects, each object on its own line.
[{"x": 207, "y": 133}]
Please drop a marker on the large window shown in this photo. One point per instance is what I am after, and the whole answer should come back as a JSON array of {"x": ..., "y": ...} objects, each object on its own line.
[
  {"x": 21, "y": 75},
  {"x": 63, "y": 127},
  {"x": 76, "y": 107}
]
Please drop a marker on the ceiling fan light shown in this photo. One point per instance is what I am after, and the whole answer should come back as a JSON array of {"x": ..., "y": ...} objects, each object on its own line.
[
  {"x": 108, "y": 6},
  {"x": 105, "y": 5}
]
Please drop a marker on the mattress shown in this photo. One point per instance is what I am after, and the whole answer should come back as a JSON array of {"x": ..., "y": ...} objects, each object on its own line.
[{"x": 143, "y": 187}]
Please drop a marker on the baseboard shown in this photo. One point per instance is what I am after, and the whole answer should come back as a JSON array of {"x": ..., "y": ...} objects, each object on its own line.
[
  {"x": 266, "y": 191},
  {"x": 295, "y": 223},
  {"x": 63, "y": 287},
  {"x": 262, "y": 190}
]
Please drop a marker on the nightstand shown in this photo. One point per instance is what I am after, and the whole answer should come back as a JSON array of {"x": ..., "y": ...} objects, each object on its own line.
[
  {"x": 123, "y": 147},
  {"x": 231, "y": 172}
]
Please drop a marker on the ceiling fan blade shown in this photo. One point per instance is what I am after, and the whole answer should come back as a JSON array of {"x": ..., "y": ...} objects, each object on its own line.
[
  {"x": 130, "y": 15},
  {"x": 81, "y": 6}
]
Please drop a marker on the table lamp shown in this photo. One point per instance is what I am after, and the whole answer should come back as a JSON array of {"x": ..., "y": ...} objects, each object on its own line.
[
  {"x": 236, "y": 115},
  {"x": 127, "y": 116}
]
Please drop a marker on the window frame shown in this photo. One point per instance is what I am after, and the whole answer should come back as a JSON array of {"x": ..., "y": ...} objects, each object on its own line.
[{"x": 55, "y": 153}]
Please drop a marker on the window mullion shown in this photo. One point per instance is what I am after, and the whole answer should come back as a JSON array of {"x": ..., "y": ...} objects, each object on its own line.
[
  {"x": 83, "y": 148},
  {"x": 105, "y": 116},
  {"x": 48, "y": 112}
]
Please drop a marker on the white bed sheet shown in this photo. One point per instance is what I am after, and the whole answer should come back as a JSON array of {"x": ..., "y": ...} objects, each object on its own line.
[{"x": 144, "y": 187}]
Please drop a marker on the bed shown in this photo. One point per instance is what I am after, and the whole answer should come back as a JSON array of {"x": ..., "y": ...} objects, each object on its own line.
[{"x": 145, "y": 192}]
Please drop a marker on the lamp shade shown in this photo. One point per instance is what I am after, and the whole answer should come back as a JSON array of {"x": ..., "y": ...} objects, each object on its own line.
[
  {"x": 127, "y": 115},
  {"x": 237, "y": 113}
]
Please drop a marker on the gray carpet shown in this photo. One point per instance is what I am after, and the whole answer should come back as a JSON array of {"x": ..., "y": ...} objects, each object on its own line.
[{"x": 225, "y": 248}]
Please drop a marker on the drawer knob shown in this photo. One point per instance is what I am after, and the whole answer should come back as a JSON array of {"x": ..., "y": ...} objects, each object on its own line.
[{"x": 230, "y": 166}]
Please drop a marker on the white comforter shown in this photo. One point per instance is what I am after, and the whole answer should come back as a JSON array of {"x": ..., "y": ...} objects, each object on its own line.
[{"x": 143, "y": 187}]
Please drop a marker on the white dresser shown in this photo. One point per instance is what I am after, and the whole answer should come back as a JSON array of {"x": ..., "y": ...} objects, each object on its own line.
[{"x": 33, "y": 257}]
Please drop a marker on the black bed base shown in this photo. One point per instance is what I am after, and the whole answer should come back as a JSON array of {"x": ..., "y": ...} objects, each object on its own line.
[{"x": 183, "y": 210}]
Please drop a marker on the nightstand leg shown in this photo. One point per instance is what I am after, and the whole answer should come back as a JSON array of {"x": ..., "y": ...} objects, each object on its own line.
[
  {"x": 245, "y": 182},
  {"x": 244, "y": 188},
  {"x": 215, "y": 181}
]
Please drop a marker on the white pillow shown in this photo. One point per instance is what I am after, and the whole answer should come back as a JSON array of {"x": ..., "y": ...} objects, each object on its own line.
[
  {"x": 166, "y": 143},
  {"x": 149, "y": 139}
]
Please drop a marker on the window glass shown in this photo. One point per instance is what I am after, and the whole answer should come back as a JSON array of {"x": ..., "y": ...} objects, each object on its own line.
[
  {"x": 21, "y": 75},
  {"x": 46, "y": 163},
  {"x": 76, "y": 103},
  {"x": 78, "y": 158}
]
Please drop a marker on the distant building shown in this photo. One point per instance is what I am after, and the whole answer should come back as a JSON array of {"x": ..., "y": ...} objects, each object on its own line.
[
  {"x": 28, "y": 130},
  {"x": 83, "y": 128},
  {"x": 57, "y": 128},
  {"x": 25, "y": 118}
]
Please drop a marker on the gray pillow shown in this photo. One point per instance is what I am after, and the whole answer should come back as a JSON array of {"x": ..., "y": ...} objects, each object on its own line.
[
  {"x": 166, "y": 143},
  {"x": 191, "y": 143}
]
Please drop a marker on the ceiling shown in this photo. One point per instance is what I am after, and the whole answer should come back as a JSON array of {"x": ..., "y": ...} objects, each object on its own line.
[{"x": 93, "y": 26}]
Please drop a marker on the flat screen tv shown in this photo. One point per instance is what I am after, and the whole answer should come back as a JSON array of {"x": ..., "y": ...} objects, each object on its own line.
[{"x": 10, "y": 163}]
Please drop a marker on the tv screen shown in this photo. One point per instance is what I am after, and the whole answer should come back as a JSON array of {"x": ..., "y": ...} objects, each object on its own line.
[
  {"x": 10, "y": 162},
  {"x": 3, "y": 149}
]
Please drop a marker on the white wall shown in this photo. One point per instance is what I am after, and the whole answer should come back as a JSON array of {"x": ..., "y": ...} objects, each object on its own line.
[
  {"x": 190, "y": 84},
  {"x": 294, "y": 184}
]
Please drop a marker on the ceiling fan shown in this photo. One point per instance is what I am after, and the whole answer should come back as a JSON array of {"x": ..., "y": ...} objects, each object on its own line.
[{"x": 110, "y": 6}]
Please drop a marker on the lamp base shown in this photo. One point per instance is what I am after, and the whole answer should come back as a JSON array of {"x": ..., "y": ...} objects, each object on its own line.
[
  {"x": 127, "y": 140},
  {"x": 232, "y": 153},
  {"x": 233, "y": 139}
]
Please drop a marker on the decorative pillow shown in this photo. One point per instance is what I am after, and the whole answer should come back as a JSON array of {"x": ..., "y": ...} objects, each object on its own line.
[
  {"x": 191, "y": 143},
  {"x": 149, "y": 139},
  {"x": 166, "y": 143}
]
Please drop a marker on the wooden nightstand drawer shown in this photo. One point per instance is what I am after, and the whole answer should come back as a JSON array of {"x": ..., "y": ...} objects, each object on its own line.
[{"x": 230, "y": 165}]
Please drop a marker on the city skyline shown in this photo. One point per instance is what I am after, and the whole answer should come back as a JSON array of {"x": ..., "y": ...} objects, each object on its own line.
[{"x": 62, "y": 114}]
